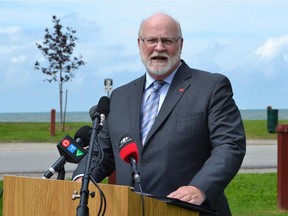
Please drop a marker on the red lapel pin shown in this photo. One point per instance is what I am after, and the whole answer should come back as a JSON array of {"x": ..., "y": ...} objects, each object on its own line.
[{"x": 181, "y": 90}]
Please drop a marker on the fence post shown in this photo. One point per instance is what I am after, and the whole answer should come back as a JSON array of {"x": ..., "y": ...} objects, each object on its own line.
[
  {"x": 52, "y": 125},
  {"x": 282, "y": 166}
]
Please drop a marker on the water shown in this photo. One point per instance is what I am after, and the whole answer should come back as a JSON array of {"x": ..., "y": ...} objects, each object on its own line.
[
  {"x": 261, "y": 114},
  {"x": 247, "y": 114},
  {"x": 44, "y": 117}
]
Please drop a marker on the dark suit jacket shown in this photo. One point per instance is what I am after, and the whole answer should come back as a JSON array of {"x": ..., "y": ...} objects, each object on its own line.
[{"x": 197, "y": 138}]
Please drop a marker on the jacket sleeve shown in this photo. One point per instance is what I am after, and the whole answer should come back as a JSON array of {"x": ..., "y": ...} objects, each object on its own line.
[
  {"x": 102, "y": 159},
  {"x": 228, "y": 142}
]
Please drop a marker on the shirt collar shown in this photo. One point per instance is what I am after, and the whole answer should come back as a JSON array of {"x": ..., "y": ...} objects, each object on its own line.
[{"x": 150, "y": 80}]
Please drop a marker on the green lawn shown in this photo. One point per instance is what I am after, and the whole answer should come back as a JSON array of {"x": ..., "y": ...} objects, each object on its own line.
[
  {"x": 254, "y": 195},
  {"x": 40, "y": 132},
  {"x": 36, "y": 132},
  {"x": 257, "y": 129}
]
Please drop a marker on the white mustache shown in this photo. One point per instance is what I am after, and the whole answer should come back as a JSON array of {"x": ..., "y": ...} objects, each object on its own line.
[{"x": 159, "y": 55}]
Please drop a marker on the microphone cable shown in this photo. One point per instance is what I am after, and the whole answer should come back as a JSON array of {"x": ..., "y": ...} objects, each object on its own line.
[
  {"x": 103, "y": 203},
  {"x": 142, "y": 199},
  {"x": 99, "y": 156},
  {"x": 98, "y": 162}
]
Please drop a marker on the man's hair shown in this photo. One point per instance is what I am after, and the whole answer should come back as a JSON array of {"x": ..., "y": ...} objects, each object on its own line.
[{"x": 177, "y": 23}]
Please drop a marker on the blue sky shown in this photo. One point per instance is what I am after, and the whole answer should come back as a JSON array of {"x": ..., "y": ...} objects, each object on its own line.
[{"x": 245, "y": 40}]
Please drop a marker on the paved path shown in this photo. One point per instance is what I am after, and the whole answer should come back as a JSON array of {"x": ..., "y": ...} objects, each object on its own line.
[{"x": 26, "y": 159}]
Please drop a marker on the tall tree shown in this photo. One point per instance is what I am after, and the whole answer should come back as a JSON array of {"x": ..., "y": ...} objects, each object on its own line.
[{"x": 57, "y": 47}]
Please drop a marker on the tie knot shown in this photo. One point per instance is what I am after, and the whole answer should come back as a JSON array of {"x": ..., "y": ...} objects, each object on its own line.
[{"x": 157, "y": 84}]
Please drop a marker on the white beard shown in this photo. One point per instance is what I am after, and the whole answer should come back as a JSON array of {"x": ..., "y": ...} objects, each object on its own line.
[{"x": 161, "y": 69}]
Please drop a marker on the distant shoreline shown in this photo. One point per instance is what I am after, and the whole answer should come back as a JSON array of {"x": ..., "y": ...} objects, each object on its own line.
[{"x": 247, "y": 114}]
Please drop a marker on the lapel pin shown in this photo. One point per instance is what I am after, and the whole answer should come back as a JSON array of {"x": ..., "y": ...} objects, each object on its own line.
[{"x": 181, "y": 90}]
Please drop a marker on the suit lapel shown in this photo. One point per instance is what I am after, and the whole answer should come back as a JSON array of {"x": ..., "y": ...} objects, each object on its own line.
[
  {"x": 179, "y": 85},
  {"x": 135, "y": 102}
]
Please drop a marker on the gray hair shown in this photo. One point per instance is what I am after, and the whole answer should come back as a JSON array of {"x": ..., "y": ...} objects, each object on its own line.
[{"x": 177, "y": 23}]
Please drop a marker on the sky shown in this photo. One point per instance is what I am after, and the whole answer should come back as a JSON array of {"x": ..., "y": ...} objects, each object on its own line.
[{"x": 247, "y": 41}]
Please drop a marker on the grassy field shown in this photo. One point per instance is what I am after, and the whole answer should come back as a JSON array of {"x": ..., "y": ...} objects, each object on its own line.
[
  {"x": 254, "y": 195},
  {"x": 40, "y": 132},
  {"x": 35, "y": 132},
  {"x": 248, "y": 194}
]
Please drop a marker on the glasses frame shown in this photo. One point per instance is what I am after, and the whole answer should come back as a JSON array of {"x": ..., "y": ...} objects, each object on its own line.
[{"x": 164, "y": 41}]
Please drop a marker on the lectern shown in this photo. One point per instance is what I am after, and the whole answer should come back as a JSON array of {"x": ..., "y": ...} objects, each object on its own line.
[{"x": 26, "y": 196}]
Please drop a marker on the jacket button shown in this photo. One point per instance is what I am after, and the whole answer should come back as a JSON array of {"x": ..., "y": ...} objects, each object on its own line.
[{"x": 144, "y": 162}]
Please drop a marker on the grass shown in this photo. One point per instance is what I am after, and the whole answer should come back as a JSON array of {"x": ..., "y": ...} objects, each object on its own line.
[
  {"x": 257, "y": 129},
  {"x": 40, "y": 132},
  {"x": 35, "y": 132},
  {"x": 254, "y": 194}
]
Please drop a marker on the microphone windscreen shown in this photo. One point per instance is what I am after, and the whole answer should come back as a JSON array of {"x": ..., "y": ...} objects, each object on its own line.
[
  {"x": 93, "y": 112},
  {"x": 103, "y": 106},
  {"x": 127, "y": 149},
  {"x": 84, "y": 134}
]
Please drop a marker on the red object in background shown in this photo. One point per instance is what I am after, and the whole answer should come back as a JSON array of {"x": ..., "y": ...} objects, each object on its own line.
[
  {"x": 112, "y": 178},
  {"x": 282, "y": 166},
  {"x": 52, "y": 126}
]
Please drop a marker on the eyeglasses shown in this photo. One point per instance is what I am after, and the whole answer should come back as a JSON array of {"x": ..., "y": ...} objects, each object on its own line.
[{"x": 154, "y": 41}]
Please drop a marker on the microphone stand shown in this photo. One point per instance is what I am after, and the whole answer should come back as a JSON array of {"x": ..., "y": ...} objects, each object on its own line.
[
  {"x": 82, "y": 209},
  {"x": 61, "y": 174}
]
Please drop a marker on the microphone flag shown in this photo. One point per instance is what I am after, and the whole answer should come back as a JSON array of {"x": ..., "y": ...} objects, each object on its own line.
[{"x": 72, "y": 151}]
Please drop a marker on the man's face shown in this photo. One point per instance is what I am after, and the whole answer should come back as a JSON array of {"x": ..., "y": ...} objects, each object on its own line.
[{"x": 160, "y": 48}]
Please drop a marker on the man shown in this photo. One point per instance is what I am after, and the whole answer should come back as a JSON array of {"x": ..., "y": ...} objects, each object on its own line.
[{"x": 197, "y": 142}]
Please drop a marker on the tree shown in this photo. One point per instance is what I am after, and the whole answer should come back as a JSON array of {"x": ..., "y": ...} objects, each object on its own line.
[{"x": 58, "y": 48}]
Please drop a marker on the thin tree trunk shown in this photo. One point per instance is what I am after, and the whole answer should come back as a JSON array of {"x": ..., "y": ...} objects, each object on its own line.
[
  {"x": 61, "y": 106},
  {"x": 65, "y": 107}
]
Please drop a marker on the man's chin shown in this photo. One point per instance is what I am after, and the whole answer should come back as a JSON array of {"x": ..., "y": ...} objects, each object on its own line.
[
  {"x": 159, "y": 63},
  {"x": 159, "y": 67},
  {"x": 158, "y": 72}
]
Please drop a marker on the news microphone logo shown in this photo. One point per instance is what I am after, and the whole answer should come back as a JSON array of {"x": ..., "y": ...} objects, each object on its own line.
[
  {"x": 69, "y": 148},
  {"x": 127, "y": 149}
]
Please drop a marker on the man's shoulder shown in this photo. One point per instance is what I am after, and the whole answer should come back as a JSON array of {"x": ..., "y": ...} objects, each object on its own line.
[
  {"x": 198, "y": 75},
  {"x": 129, "y": 87},
  {"x": 206, "y": 74},
  {"x": 132, "y": 83},
  {"x": 201, "y": 73}
]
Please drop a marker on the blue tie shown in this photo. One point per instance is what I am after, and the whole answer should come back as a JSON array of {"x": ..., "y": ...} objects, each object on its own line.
[{"x": 150, "y": 109}]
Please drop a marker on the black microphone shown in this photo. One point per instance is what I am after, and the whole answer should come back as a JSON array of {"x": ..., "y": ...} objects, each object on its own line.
[
  {"x": 98, "y": 115},
  {"x": 128, "y": 151},
  {"x": 92, "y": 112},
  {"x": 82, "y": 136},
  {"x": 70, "y": 150},
  {"x": 100, "y": 112}
]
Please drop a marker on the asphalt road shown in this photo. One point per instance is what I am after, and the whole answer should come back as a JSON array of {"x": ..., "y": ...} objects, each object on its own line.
[{"x": 26, "y": 159}]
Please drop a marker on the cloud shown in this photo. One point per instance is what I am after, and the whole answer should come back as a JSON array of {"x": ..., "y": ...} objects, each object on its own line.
[
  {"x": 10, "y": 30},
  {"x": 210, "y": 58},
  {"x": 19, "y": 59},
  {"x": 274, "y": 48}
]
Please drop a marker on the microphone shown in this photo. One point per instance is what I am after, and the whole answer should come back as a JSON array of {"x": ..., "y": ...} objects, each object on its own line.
[
  {"x": 98, "y": 115},
  {"x": 70, "y": 150},
  {"x": 82, "y": 136},
  {"x": 100, "y": 112},
  {"x": 128, "y": 151},
  {"x": 92, "y": 112}
]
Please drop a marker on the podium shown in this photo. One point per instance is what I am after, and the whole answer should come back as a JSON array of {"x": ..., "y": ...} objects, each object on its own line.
[{"x": 26, "y": 196}]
